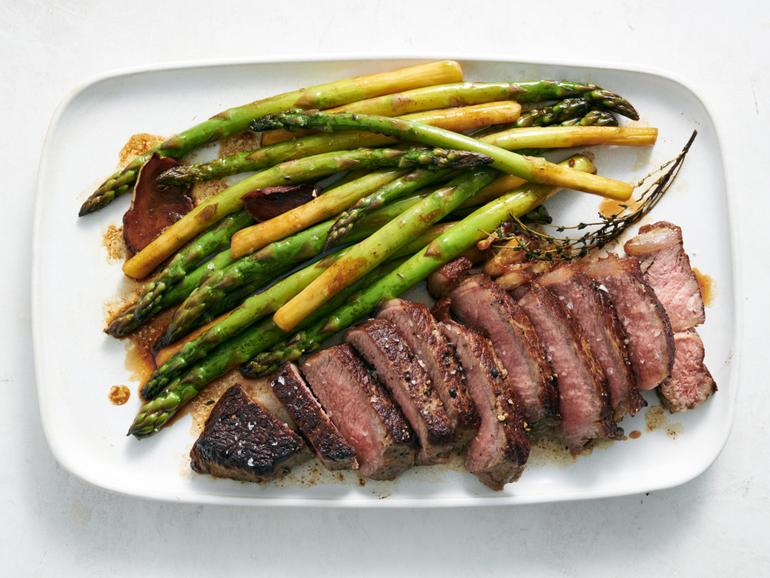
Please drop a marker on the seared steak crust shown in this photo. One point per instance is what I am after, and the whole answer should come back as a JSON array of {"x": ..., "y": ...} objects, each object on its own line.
[
  {"x": 690, "y": 383},
  {"x": 666, "y": 268},
  {"x": 499, "y": 452},
  {"x": 583, "y": 400},
  {"x": 315, "y": 426},
  {"x": 448, "y": 276},
  {"x": 385, "y": 348},
  {"x": 423, "y": 336},
  {"x": 595, "y": 315},
  {"x": 650, "y": 339},
  {"x": 242, "y": 441},
  {"x": 482, "y": 304},
  {"x": 362, "y": 410}
]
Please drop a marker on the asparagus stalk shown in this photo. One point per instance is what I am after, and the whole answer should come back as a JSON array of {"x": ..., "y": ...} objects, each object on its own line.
[
  {"x": 253, "y": 309},
  {"x": 533, "y": 169},
  {"x": 459, "y": 119},
  {"x": 572, "y": 136},
  {"x": 226, "y": 287},
  {"x": 228, "y": 201},
  {"x": 593, "y": 118},
  {"x": 373, "y": 250},
  {"x": 156, "y": 413},
  {"x": 447, "y": 95},
  {"x": 236, "y": 120},
  {"x": 459, "y": 238},
  {"x": 183, "y": 263}
]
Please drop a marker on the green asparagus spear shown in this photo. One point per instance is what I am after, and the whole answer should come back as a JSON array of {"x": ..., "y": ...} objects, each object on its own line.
[
  {"x": 593, "y": 118},
  {"x": 156, "y": 413},
  {"x": 216, "y": 207},
  {"x": 451, "y": 244},
  {"x": 210, "y": 242},
  {"x": 236, "y": 120},
  {"x": 373, "y": 250},
  {"x": 533, "y": 169}
]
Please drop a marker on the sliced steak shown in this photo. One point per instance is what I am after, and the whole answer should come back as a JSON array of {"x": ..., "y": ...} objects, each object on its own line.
[
  {"x": 650, "y": 339},
  {"x": 690, "y": 383},
  {"x": 242, "y": 441},
  {"x": 599, "y": 325},
  {"x": 382, "y": 345},
  {"x": 483, "y": 305},
  {"x": 448, "y": 276},
  {"x": 362, "y": 410},
  {"x": 583, "y": 400},
  {"x": 499, "y": 451},
  {"x": 314, "y": 424},
  {"x": 442, "y": 309},
  {"x": 423, "y": 336},
  {"x": 666, "y": 268}
]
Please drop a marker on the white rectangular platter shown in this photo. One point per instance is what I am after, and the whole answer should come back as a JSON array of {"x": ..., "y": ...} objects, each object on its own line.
[{"x": 73, "y": 278}]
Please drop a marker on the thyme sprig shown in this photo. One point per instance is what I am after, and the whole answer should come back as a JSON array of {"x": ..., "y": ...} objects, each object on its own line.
[{"x": 599, "y": 233}]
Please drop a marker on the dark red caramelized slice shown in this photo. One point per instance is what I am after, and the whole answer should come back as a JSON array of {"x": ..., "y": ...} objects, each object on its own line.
[
  {"x": 666, "y": 268},
  {"x": 242, "y": 441},
  {"x": 499, "y": 451},
  {"x": 448, "y": 276},
  {"x": 583, "y": 400},
  {"x": 362, "y": 410},
  {"x": 312, "y": 421},
  {"x": 483, "y": 305},
  {"x": 690, "y": 383},
  {"x": 595, "y": 315},
  {"x": 270, "y": 202},
  {"x": 153, "y": 207},
  {"x": 383, "y": 346},
  {"x": 423, "y": 336},
  {"x": 650, "y": 339}
]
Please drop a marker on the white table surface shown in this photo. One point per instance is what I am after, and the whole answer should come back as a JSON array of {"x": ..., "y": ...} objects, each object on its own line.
[{"x": 52, "y": 523}]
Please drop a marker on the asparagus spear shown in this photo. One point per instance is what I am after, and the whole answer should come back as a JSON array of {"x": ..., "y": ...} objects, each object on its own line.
[
  {"x": 156, "y": 413},
  {"x": 221, "y": 283},
  {"x": 373, "y": 250},
  {"x": 236, "y": 120},
  {"x": 216, "y": 207},
  {"x": 593, "y": 118},
  {"x": 533, "y": 169},
  {"x": 278, "y": 256},
  {"x": 253, "y": 309},
  {"x": 459, "y": 238},
  {"x": 459, "y": 119},
  {"x": 442, "y": 96}
]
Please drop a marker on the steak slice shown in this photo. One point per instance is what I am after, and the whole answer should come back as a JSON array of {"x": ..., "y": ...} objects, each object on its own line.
[
  {"x": 499, "y": 452},
  {"x": 362, "y": 410},
  {"x": 383, "y": 346},
  {"x": 242, "y": 441},
  {"x": 583, "y": 400},
  {"x": 448, "y": 276},
  {"x": 423, "y": 336},
  {"x": 650, "y": 339},
  {"x": 485, "y": 306},
  {"x": 666, "y": 268},
  {"x": 690, "y": 383},
  {"x": 314, "y": 424},
  {"x": 599, "y": 325}
]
